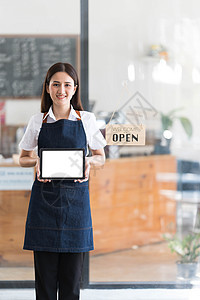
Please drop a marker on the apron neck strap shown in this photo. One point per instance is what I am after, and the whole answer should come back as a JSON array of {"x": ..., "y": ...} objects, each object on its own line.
[
  {"x": 44, "y": 119},
  {"x": 79, "y": 114}
]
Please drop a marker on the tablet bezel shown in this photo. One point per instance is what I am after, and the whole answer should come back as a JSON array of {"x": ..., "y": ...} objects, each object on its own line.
[{"x": 61, "y": 149}]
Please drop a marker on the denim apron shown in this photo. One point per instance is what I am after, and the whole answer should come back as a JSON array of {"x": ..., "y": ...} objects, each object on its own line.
[{"x": 59, "y": 216}]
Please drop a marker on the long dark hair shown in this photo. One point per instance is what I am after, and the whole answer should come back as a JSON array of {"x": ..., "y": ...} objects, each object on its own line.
[{"x": 46, "y": 100}]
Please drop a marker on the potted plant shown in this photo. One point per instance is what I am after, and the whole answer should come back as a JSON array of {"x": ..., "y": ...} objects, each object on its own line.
[
  {"x": 167, "y": 120},
  {"x": 188, "y": 251}
]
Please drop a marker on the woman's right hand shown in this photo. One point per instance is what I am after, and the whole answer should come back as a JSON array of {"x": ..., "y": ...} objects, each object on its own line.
[{"x": 37, "y": 166}]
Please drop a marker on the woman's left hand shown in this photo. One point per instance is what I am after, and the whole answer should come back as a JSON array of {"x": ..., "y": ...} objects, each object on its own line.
[
  {"x": 96, "y": 160},
  {"x": 87, "y": 171}
]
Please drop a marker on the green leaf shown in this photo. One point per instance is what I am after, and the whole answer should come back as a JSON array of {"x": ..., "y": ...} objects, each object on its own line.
[
  {"x": 186, "y": 248},
  {"x": 187, "y": 125},
  {"x": 168, "y": 119},
  {"x": 166, "y": 122}
]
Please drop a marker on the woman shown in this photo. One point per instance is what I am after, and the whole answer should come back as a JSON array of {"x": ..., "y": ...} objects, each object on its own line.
[{"x": 59, "y": 226}]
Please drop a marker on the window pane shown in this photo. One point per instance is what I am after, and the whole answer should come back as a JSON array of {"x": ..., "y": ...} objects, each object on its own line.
[
  {"x": 144, "y": 69},
  {"x": 32, "y": 37}
]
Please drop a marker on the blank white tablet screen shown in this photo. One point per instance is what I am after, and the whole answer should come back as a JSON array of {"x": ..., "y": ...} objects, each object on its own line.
[{"x": 62, "y": 164}]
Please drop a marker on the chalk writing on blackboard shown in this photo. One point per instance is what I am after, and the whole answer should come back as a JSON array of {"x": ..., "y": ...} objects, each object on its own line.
[{"x": 24, "y": 62}]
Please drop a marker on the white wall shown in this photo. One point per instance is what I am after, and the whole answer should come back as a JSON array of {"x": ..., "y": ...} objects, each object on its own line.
[
  {"x": 39, "y": 17},
  {"x": 35, "y": 17},
  {"x": 121, "y": 33}
]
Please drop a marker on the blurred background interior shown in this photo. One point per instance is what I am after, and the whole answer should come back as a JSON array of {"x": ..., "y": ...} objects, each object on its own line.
[{"x": 144, "y": 65}]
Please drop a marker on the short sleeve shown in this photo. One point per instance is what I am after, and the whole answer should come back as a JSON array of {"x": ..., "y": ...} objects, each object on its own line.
[
  {"x": 29, "y": 139},
  {"x": 94, "y": 136}
]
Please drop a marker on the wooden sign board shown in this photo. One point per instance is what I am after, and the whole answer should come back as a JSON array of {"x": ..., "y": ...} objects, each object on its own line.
[{"x": 125, "y": 134}]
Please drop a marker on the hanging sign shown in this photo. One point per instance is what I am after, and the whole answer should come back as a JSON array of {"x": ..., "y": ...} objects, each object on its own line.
[{"x": 125, "y": 134}]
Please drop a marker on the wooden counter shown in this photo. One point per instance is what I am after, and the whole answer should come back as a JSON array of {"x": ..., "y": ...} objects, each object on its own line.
[
  {"x": 127, "y": 208},
  {"x": 13, "y": 210}
]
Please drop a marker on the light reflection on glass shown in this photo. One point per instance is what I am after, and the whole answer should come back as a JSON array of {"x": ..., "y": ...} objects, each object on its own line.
[
  {"x": 164, "y": 73},
  {"x": 131, "y": 72}
]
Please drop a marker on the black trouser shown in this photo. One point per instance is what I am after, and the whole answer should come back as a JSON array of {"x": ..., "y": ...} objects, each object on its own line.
[{"x": 57, "y": 271}]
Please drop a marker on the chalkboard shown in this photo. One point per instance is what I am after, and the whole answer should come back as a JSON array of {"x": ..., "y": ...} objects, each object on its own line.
[{"x": 24, "y": 62}]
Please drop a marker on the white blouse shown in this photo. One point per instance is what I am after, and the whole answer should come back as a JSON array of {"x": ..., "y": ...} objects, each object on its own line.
[{"x": 95, "y": 139}]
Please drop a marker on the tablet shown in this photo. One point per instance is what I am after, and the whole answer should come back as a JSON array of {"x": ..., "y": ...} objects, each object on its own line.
[{"x": 62, "y": 163}]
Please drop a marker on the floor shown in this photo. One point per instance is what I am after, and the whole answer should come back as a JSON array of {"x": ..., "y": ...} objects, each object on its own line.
[
  {"x": 129, "y": 294},
  {"x": 146, "y": 263}
]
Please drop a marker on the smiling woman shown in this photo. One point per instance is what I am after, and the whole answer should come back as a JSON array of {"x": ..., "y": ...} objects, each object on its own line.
[
  {"x": 59, "y": 238},
  {"x": 61, "y": 83},
  {"x": 61, "y": 89}
]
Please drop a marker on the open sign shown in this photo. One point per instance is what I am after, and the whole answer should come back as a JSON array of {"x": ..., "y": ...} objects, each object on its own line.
[{"x": 125, "y": 134}]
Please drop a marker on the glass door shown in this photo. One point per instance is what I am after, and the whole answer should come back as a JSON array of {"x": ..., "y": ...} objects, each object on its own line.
[
  {"x": 144, "y": 69},
  {"x": 31, "y": 40}
]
